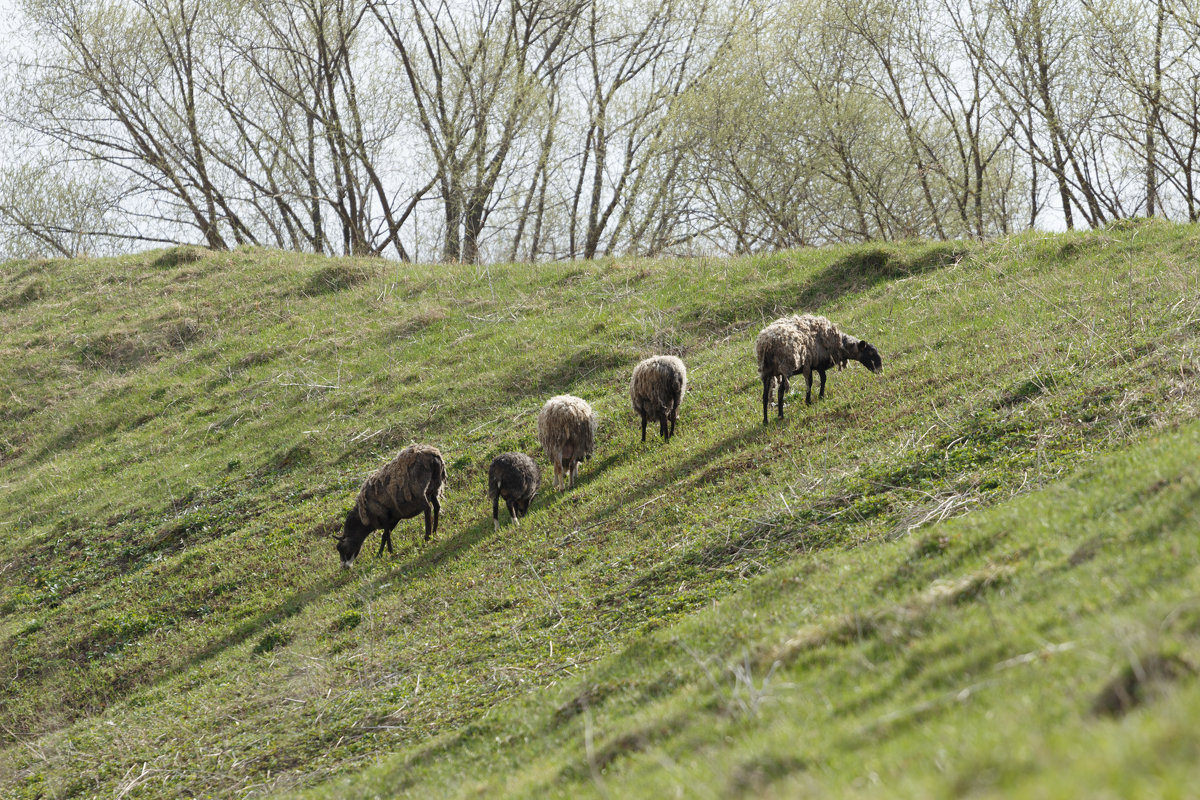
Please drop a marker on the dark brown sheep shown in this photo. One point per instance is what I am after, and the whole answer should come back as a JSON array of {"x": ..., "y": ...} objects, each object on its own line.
[{"x": 411, "y": 483}]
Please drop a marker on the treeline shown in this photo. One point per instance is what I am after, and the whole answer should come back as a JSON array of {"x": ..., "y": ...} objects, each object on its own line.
[{"x": 485, "y": 130}]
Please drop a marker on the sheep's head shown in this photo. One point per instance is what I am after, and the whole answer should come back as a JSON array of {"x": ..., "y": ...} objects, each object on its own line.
[
  {"x": 353, "y": 534},
  {"x": 868, "y": 356},
  {"x": 522, "y": 506}
]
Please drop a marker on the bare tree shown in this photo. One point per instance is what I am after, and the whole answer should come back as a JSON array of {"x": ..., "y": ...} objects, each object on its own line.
[
  {"x": 1150, "y": 59},
  {"x": 316, "y": 138},
  {"x": 475, "y": 77},
  {"x": 580, "y": 128}
]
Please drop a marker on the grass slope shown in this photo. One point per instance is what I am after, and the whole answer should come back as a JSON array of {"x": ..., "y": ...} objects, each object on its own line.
[{"x": 748, "y": 608}]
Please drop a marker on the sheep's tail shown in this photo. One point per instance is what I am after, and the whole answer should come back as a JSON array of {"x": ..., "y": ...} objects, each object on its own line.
[
  {"x": 769, "y": 368},
  {"x": 442, "y": 477}
]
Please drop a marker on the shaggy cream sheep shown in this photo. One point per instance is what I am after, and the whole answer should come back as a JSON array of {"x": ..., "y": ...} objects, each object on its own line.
[
  {"x": 567, "y": 431},
  {"x": 801, "y": 344},
  {"x": 657, "y": 390}
]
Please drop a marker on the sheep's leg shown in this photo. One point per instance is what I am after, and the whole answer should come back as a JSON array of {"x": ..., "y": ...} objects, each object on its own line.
[
  {"x": 822, "y": 394},
  {"x": 674, "y": 417},
  {"x": 784, "y": 387},
  {"x": 385, "y": 539},
  {"x": 437, "y": 509},
  {"x": 643, "y": 426},
  {"x": 428, "y": 523},
  {"x": 767, "y": 380},
  {"x": 574, "y": 473},
  {"x": 512, "y": 511},
  {"x": 662, "y": 428},
  {"x": 808, "y": 384},
  {"x": 496, "y": 513}
]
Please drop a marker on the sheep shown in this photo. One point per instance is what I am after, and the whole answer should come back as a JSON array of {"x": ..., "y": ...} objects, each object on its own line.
[
  {"x": 800, "y": 344},
  {"x": 515, "y": 477},
  {"x": 567, "y": 431},
  {"x": 410, "y": 483},
  {"x": 657, "y": 390}
]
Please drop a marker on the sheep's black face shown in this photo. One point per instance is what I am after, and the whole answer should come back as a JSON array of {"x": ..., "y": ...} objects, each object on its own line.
[
  {"x": 353, "y": 534},
  {"x": 868, "y": 356}
]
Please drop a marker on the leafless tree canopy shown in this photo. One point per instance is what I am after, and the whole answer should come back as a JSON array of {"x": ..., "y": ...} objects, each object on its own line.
[{"x": 485, "y": 130}]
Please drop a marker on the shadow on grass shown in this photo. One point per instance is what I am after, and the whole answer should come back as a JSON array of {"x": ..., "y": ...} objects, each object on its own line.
[
  {"x": 426, "y": 557},
  {"x": 559, "y": 377},
  {"x": 289, "y": 607},
  {"x": 679, "y": 471},
  {"x": 436, "y": 552},
  {"x": 115, "y": 682},
  {"x": 853, "y": 273},
  {"x": 121, "y": 683},
  {"x": 593, "y": 470},
  {"x": 859, "y": 271}
]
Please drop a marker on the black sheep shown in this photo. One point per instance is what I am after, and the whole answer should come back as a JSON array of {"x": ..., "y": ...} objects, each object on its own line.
[{"x": 515, "y": 477}]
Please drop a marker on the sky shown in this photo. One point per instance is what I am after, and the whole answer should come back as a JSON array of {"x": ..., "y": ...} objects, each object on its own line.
[
  {"x": 8, "y": 13},
  {"x": 8, "y": 24}
]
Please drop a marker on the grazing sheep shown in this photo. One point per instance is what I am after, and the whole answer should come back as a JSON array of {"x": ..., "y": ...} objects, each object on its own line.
[
  {"x": 411, "y": 483},
  {"x": 567, "y": 431},
  {"x": 801, "y": 344},
  {"x": 515, "y": 477},
  {"x": 657, "y": 390}
]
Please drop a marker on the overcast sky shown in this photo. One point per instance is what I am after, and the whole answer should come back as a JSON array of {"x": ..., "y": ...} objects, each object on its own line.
[
  {"x": 8, "y": 11},
  {"x": 8, "y": 20}
]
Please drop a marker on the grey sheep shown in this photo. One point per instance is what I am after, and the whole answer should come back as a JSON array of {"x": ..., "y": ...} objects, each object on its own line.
[
  {"x": 411, "y": 483},
  {"x": 567, "y": 431},
  {"x": 515, "y": 477},
  {"x": 800, "y": 344},
  {"x": 657, "y": 390}
]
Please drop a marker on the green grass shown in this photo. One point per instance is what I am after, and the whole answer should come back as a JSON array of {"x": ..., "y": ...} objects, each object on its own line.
[{"x": 916, "y": 586}]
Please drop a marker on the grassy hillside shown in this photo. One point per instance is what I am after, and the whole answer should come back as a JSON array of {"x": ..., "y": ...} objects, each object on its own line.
[{"x": 920, "y": 584}]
